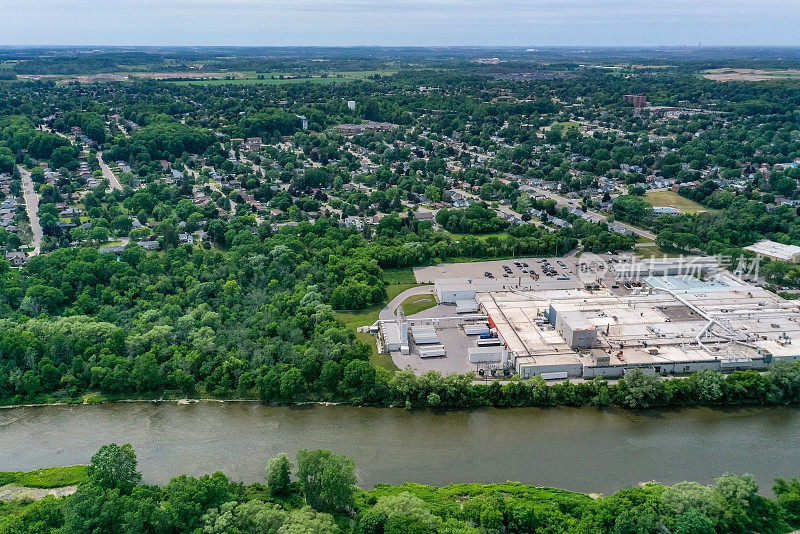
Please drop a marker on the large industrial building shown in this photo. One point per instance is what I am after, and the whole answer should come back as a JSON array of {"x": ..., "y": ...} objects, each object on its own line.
[
  {"x": 776, "y": 251},
  {"x": 597, "y": 317},
  {"x": 665, "y": 324}
]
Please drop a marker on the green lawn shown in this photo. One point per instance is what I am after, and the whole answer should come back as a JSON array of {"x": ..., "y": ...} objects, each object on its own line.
[
  {"x": 673, "y": 199},
  {"x": 417, "y": 303},
  {"x": 353, "y": 320},
  {"x": 399, "y": 275},
  {"x": 50, "y": 477},
  {"x": 377, "y": 359},
  {"x": 654, "y": 250}
]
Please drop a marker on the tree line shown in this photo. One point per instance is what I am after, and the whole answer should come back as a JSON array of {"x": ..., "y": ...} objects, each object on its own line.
[{"x": 321, "y": 497}]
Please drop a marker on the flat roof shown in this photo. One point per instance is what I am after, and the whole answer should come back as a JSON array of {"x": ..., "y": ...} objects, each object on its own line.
[
  {"x": 391, "y": 333},
  {"x": 773, "y": 249},
  {"x": 639, "y": 323},
  {"x": 685, "y": 283}
]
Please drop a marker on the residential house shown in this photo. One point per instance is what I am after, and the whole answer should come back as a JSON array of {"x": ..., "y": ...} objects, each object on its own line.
[
  {"x": 149, "y": 245},
  {"x": 16, "y": 258}
]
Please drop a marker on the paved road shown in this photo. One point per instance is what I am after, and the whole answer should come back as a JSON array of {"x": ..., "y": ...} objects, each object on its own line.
[
  {"x": 387, "y": 313},
  {"x": 107, "y": 174},
  {"x": 32, "y": 205},
  {"x": 595, "y": 216}
]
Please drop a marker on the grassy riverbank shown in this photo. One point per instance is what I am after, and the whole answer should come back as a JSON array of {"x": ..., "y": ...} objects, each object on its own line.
[
  {"x": 321, "y": 497},
  {"x": 49, "y": 477}
]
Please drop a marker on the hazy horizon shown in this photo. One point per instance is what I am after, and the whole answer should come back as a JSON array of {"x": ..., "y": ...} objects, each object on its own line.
[{"x": 420, "y": 23}]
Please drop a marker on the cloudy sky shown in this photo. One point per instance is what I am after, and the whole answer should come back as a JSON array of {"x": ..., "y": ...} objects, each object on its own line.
[{"x": 400, "y": 22}]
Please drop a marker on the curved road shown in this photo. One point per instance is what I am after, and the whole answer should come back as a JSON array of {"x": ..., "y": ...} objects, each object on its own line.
[
  {"x": 32, "y": 205},
  {"x": 387, "y": 313}
]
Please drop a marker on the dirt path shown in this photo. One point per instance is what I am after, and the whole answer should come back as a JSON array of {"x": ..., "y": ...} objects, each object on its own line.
[{"x": 11, "y": 492}]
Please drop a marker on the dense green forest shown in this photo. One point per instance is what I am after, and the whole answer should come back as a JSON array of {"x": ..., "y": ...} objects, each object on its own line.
[
  {"x": 255, "y": 321},
  {"x": 321, "y": 497}
]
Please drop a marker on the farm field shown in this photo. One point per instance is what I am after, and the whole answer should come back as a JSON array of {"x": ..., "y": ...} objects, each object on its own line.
[
  {"x": 248, "y": 78},
  {"x": 751, "y": 75},
  {"x": 211, "y": 78}
]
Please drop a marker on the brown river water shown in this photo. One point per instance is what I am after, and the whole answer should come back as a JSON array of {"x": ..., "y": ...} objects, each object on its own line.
[{"x": 585, "y": 449}]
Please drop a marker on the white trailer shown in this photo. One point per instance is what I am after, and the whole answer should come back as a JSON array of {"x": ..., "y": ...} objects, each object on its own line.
[
  {"x": 486, "y": 354},
  {"x": 554, "y": 376},
  {"x": 431, "y": 351},
  {"x": 476, "y": 329},
  {"x": 467, "y": 306}
]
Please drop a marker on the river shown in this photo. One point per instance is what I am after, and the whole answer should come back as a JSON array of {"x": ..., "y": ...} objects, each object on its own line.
[{"x": 587, "y": 449}]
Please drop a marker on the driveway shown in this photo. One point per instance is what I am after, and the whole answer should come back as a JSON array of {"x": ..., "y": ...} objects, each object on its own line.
[{"x": 387, "y": 313}]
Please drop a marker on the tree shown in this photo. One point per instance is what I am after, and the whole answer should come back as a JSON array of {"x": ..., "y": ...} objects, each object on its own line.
[
  {"x": 291, "y": 383},
  {"x": 279, "y": 475},
  {"x": 146, "y": 372},
  {"x": 641, "y": 390},
  {"x": 399, "y": 514},
  {"x": 789, "y": 499},
  {"x": 307, "y": 521},
  {"x": 252, "y": 516},
  {"x": 686, "y": 496},
  {"x": 632, "y": 209},
  {"x": 326, "y": 479},
  {"x": 693, "y": 522},
  {"x": 114, "y": 467}
]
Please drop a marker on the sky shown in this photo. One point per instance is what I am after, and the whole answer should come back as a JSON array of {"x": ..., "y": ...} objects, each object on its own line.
[{"x": 400, "y": 22}]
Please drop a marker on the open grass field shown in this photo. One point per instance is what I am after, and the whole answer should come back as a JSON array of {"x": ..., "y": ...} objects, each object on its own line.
[
  {"x": 417, "y": 303},
  {"x": 354, "y": 319},
  {"x": 399, "y": 275},
  {"x": 673, "y": 199},
  {"x": 50, "y": 477},
  {"x": 654, "y": 250}
]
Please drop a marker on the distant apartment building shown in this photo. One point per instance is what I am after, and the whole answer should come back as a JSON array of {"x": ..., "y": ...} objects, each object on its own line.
[{"x": 638, "y": 101}]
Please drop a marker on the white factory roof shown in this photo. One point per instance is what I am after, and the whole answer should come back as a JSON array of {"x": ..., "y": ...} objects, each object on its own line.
[
  {"x": 639, "y": 323},
  {"x": 465, "y": 284},
  {"x": 773, "y": 249}
]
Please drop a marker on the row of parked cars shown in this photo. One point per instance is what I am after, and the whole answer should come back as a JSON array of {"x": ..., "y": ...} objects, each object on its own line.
[{"x": 509, "y": 272}]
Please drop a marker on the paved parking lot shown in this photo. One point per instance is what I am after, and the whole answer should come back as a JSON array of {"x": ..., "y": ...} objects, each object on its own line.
[
  {"x": 561, "y": 267},
  {"x": 455, "y": 359},
  {"x": 453, "y": 338},
  {"x": 477, "y": 270}
]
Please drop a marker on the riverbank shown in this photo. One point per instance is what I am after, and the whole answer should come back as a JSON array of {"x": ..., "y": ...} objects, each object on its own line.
[
  {"x": 308, "y": 500},
  {"x": 360, "y": 384},
  {"x": 37, "y": 484}
]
